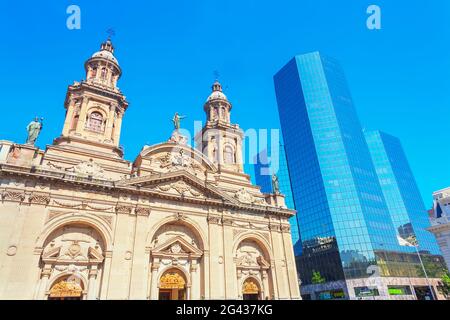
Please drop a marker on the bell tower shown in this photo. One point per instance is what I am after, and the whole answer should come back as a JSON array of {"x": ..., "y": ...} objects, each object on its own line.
[
  {"x": 220, "y": 140},
  {"x": 95, "y": 106}
]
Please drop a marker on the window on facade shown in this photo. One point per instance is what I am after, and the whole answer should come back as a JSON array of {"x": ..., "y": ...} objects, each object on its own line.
[
  {"x": 94, "y": 72},
  {"x": 228, "y": 155},
  {"x": 103, "y": 73},
  {"x": 73, "y": 125},
  {"x": 95, "y": 122}
]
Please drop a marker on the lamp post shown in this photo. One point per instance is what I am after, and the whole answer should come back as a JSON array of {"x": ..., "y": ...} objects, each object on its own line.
[
  {"x": 425, "y": 272},
  {"x": 413, "y": 242}
]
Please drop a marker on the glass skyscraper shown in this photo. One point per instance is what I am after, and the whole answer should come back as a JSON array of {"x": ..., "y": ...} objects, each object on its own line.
[
  {"x": 263, "y": 178},
  {"x": 400, "y": 190},
  {"x": 346, "y": 229}
]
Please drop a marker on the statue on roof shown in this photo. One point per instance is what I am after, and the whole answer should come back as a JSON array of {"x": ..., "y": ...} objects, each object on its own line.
[
  {"x": 177, "y": 120},
  {"x": 33, "y": 129},
  {"x": 275, "y": 184}
]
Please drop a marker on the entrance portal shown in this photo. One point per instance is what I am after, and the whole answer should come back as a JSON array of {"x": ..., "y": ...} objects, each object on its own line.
[
  {"x": 172, "y": 285},
  {"x": 250, "y": 290}
]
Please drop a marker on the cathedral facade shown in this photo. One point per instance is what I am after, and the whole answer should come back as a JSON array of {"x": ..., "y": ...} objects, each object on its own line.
[{"x": 78, "y": 221}]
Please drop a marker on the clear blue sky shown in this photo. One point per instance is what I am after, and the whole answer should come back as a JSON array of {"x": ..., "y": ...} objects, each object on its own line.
[{"x": 168, "y": 50}]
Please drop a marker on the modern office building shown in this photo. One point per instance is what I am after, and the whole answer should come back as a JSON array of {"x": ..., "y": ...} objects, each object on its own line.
[
  {"x": 400, "y": 191},
  {"x": 347, "y": 233},
  {"x": 440, "y": 221},
  {"x": 263, "y": 178}
]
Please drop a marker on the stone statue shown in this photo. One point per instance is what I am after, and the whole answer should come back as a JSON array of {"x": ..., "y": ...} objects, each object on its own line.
[
  {"x": 34, "y": 128},
  {"x": 275, "y": 184},
  {"x": 176, "y": 120}
]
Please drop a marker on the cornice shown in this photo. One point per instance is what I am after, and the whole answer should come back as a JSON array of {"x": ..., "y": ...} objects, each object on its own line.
[{"x": 105, "y": 185}]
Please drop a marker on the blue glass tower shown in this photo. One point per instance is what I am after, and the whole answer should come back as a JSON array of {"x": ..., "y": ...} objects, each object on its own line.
[
  {"x": 345, "y": 224},
  {"x": 263, "y": 178},
  {"x": 400, "y": 190}
]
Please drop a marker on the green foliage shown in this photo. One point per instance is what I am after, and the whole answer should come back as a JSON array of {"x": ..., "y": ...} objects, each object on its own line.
[
  {"x": 434, "y": 269},
  {"x": 317, "y": 278},
  {"x": 446, "y": 283}
]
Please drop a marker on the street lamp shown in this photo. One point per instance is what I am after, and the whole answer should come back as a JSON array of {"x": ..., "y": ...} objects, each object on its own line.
[{"x": 414, "y": 243}]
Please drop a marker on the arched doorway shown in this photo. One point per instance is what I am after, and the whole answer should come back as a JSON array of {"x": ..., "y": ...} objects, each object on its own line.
[
  {"x": 251, "y": 290},
  {"x": 172, "y": 285},
  {"x": 253, "y": 269},
  {"x": 69, "y": 288},
  {"x": 70, "y": 253}
]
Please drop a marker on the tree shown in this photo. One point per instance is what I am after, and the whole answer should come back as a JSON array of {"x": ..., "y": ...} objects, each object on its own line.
[
  {"x": 446, "y": 283},
  {"x": 434, "y": 268},
  {"x": 317, "y": 278}
]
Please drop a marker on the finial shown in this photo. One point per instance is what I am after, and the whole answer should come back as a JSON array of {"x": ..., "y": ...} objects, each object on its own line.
[
  {"x": 216, "y": 75},
  {"x": 216, "y": 86},
  {"x": 110, "y": 33},
  {"x": 107, "y": 45}
]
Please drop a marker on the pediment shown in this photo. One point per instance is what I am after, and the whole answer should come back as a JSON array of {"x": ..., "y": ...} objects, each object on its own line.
[
  {"x": 52, "y": 253},
  {"x": 179, "y": 184},
  {"x": 177, "y": 246}
]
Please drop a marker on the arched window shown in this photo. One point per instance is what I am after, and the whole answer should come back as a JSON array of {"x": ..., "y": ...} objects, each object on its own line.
[
  {"x": 95, "y": 122},
  {"x": 93, "y": 72},
  {"x": 103, "y": 75},
  {"x": 228, "y": 155}
]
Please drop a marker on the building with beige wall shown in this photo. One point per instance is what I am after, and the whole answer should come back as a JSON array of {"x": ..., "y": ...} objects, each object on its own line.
[
  {"x": 77, "y": 221},
  {"x": 440, "y": 222}
]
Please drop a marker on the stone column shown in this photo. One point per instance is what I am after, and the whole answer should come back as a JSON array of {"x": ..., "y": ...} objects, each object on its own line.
[
  {"x": 265, "y": 283},
  {"x": 230, "y": 289},
  {"x": 195, "y": 281},
  {"x": 45, "y": 275},
  {"x": 216, "y": 269},
  {"x": 154, "y": 281},
  {"x": 238, "y": 151},
  {"x": 110, "y": 122},
  {"x": 92, "y": 284},
  {"x": 206, "y": 275},
  {"x": 69, "y": 116},
  {"x": 118, "y": 125},
  {"x": 106, "y": 273},
  {"x": 239, "y": 284},
  {"x": 82, "y": 117}
]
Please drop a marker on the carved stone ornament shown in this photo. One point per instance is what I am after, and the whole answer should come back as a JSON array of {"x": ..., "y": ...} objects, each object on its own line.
[
  {"x": 244, "y": 196},
  {"x": 142, "y": 211},
  {"x": 124, "y": 209},
  {"x": 39, "y": 199},
  {"x": 173, "y": 161},
  {"x": 175, "y": 248},
  {"x": 13, "y": 196},
  {"x": 88, "y": 168},
  {"x": 181, "y": 188}
]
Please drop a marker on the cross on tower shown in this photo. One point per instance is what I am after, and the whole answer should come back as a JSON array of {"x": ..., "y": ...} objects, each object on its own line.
[
  {"x": 216, "y": 75},
  {"x": 110, "y": 33}
]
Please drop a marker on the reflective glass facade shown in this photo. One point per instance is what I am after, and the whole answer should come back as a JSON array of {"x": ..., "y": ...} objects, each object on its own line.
[
  {"x": 400, "y": 190},
  {"x": 265, "y": 182},
  {"x": 344, "y": 222}
]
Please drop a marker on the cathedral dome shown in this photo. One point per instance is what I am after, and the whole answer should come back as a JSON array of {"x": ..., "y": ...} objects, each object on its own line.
[
  {"x": 216, "y": 93},
  {"x": 106, "y": 55},
  {"x": 106, "y": 52}
]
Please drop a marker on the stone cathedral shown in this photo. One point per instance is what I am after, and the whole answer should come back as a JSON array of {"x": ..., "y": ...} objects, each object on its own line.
[{"x": 78, "y": 221}]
